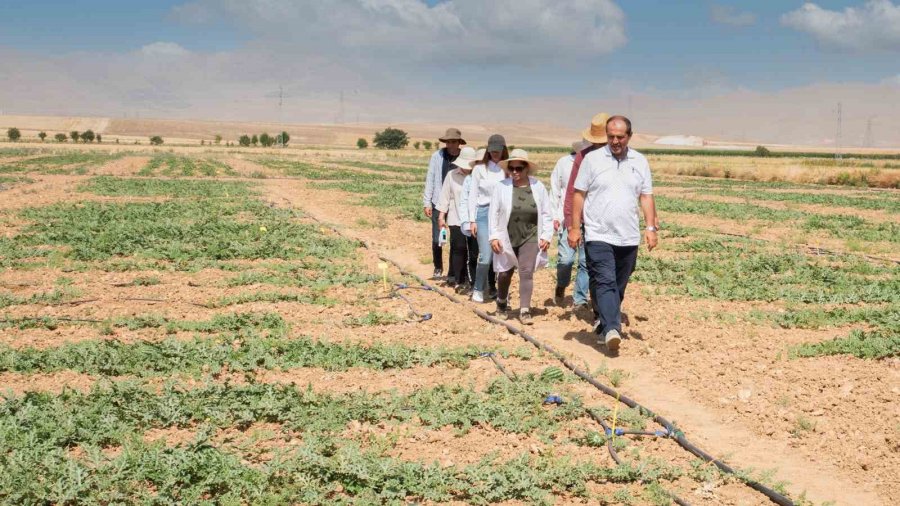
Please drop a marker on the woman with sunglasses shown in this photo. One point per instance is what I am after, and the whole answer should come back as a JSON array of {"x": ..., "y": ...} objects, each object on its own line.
[
  {"x": 485, "y": 177},
  {"x": 521, "y": 227}
]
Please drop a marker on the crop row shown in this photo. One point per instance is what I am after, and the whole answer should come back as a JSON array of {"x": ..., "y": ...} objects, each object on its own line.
[
  {"x": 889, "y": 202},
  {"x": 76, "y": 162},
  {"x": 176, "y": 166}
]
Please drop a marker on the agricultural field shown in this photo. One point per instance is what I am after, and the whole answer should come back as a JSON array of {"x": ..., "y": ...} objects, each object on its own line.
[{"x": 220, "y": 326}]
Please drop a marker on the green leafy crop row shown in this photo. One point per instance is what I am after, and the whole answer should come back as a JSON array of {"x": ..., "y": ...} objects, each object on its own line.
[
  {"x": 175, "y": 166},
  {"x": 145, "y": 187}
]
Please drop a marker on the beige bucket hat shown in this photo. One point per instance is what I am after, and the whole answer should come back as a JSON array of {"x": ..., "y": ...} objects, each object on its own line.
[
  {"x": 596, "y": 133},
  {"x": 452, "y": 134},
  {"x": 467, "y": 156},
  {"x": 519, "y": 155}
]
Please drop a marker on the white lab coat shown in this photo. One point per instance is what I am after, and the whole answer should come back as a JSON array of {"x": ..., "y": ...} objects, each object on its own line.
[{"x": 498, "y": 221}]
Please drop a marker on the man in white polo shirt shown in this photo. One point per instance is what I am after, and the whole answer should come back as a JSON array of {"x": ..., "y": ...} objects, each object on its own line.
[{"x": 612, "y": 183}]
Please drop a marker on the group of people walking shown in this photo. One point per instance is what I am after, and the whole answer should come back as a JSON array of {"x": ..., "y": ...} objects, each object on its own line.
[{"x": 499, "y": 218}]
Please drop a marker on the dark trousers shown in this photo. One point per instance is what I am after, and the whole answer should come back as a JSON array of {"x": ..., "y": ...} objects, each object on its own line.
[
  {"x": 609, "y": 268},
  {"x": 462, "y": 262},
  {"x": 436, "y": 253}
]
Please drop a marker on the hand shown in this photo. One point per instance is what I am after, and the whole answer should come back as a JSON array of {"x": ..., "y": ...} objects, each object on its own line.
[
  {"x": 544, "y": 245},
  {"x": 574, "y": 238},
  {"x": 652, "y": 239},
  {"x": 473, "y": 228},
  {"x": 428, "y": 211},
  {"x": 442, "y": 223},
  {"x": 556, "y": 225},
  {"x": 495, "y": 245}
]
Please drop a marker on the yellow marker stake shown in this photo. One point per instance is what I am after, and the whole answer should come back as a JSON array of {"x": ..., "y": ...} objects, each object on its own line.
[
  {"x": 383, "y": 266},
  {"x": 615, "y": 416}
]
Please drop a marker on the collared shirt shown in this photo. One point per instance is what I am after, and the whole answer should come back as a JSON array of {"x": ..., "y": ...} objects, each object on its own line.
[
  {"x": 484, "y": 178},
  {"x": 559, "y": 180},
  {"x": 613, "y": 190},
  {"x": 439, "y": 165},
  {"x": 450, "y": 196},
  {"x": 570, "y": 188}
]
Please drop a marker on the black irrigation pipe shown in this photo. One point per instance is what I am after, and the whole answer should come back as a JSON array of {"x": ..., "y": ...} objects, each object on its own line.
[
  {"x": 676, "y": 434},
  {"x": 609, "y": 441}
]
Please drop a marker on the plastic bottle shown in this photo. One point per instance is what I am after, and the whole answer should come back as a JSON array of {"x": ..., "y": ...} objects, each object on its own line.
[{"x": 442, "y": 237}]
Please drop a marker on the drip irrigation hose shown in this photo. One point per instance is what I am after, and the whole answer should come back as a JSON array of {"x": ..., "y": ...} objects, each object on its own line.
[
  {"x": 555, "y": 399},
  {"x": 423, "y": 317},
  {"x": 676, "y": 434}
]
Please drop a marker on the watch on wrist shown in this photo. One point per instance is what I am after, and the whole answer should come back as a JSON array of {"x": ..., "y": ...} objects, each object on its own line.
[{"x": 651, "y": 228}]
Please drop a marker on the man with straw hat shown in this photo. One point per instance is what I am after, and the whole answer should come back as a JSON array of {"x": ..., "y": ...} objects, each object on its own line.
[
  {"x": 559, "y": 182},
  {"x": 595, "y": 138},
  {"x": 612, "y": 183},
  {"x": 439, "y": 166}
]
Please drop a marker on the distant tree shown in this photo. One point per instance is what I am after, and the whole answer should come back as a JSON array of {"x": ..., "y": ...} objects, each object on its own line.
[
  {"x": 254, "y": 139},
  {"x": 74, "y": 135},
  {"x": 202, "y": 142},
  {"x": 417, "y": 144},
  {"x": 42, "y": 135},
  {"x": 362, "y": 143},
  {"x": 427, "y": 145},
  {"x": 763, "y": 151},
  {"x": 13, "y": 134},
  {"x": 156, "y": 140},
  {"x": 283, "y": 139},
  {"x": 218, "y": 139},
  {"x": 266, "y": 140},
  {"x": 99, "y": 138},
  {"x": 244, "y": 140},
  {"x": 88, "y": 136},
  {"x": 391, "y": 138},
  {"x": 60, "y": 137},
  {"x": 117, "y": 140}
]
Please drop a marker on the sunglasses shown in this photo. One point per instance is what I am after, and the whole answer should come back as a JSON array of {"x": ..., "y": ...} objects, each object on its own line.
[{"x": 517, "y": 168}]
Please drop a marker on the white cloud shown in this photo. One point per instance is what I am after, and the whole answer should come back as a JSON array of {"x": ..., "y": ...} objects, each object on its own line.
[
  {"x": 164, "y": 49},
  {"x": 892, "y": 81},
  {"x": 728, "y": 15},
  {"x": 520, "y": 31},
  {"x": 873, "y": 26}
]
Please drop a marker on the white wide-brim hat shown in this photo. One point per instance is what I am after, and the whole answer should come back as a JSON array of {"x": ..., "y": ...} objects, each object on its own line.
[
  {"x": 519, "y": 155},
  {"x": 467, "y": 155},
  {"x": 479, "y": 157}
]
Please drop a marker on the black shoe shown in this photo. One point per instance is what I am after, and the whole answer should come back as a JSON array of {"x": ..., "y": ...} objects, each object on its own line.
[
  {"x": 492, "y": 294},
  {"x": 559, "y": 295},
  {"x": 502, "y": 308}
]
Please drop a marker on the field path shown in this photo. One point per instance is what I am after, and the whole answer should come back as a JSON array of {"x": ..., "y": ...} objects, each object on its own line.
[{"x": 718, "y": 431}]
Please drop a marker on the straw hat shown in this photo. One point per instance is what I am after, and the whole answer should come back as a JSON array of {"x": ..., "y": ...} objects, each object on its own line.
[
  {"x": 596, "y": 133},
  {"x": 466, "y": 157},
  {"x": 479, "y": 156},
  {"x": 519, "y": 155},
  {"x": 452, "y": 134}
]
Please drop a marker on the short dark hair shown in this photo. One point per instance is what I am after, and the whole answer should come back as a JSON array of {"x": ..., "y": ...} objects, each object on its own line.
[{"x": 621, "y": 118}]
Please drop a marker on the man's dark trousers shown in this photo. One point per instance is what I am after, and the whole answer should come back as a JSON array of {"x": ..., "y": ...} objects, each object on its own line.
[{"x": 609, "y": 268}]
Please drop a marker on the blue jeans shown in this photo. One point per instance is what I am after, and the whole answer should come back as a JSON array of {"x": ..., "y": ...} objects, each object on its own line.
[
  {"x": 609, "y": 268},
  {"x": 484, "y": 270},
  {"x": 564, "y": 267}
]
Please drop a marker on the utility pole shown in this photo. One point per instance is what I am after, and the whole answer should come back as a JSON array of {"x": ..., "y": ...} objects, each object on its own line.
[
  {"x": 838, "y": 140},
  {"x": 869, "y": 140}
]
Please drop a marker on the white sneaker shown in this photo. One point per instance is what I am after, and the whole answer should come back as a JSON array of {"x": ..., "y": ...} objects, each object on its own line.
[
  {"x": 477, "y": 296},
  {"x": 612, "y": 340}
]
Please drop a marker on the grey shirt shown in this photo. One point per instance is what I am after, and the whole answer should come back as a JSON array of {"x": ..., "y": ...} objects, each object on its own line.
[{"x": 613, "y": 188}]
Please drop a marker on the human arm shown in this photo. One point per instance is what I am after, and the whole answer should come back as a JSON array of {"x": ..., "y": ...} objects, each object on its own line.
[
  {"x": 577, "y": 209},
  {"x": 546, "y": 217},
  {"x": 494, "y": 220},
  {"x": 428, "y": 193},
  {"x": 472, "y": 199},
  {"x": 648, "y": 207},
  {"x": 555, "y": 193}
]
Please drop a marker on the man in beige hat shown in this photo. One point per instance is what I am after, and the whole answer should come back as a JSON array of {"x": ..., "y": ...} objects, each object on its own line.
[
  {"x": 612, "y": 183},
  {"x": 595, "y": 138},
  {"x": 439, "y": 166}
]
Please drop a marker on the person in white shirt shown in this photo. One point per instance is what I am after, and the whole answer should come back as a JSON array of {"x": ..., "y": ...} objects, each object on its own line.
[
  {"x": 612, "y": 183},
  {"x": 440, "y": 164},
  {"x": 521, "y": 227},
  {"x": 449, "y": 219},
  {"x": 559, "y": 181},
  {"x": 465, "y": 222},
  {"x": 484, "y": 177}
]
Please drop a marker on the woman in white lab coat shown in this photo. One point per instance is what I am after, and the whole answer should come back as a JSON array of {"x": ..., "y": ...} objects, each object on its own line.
[{"x": 521, "y": 227}]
